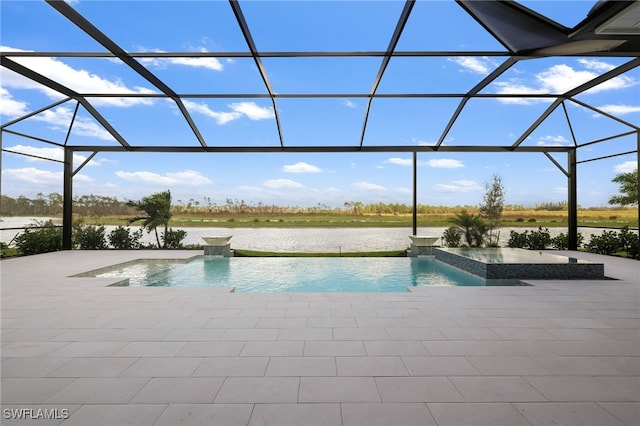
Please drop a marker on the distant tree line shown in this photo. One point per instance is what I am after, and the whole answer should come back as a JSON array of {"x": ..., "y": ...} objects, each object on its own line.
[
  {"x": 100, "y": 205},
  {"x": 51, "y": 205}
]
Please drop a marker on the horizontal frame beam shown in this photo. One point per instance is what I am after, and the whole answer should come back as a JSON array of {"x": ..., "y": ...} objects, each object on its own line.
[
  {"x": 608, "y": 138},
  {"x": 325, "y": 95},
  {"x": 31, "y": 155},
  {"x": 35, "y": 138},
  {"x": 635, "y": 151},
  {"x": 304, "y": 54},
  {"x": 318, "y": 149},
  {"x": 248, "y": 54}
]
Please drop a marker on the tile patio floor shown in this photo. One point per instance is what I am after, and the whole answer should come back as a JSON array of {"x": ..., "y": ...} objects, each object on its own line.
[{"x": 553, "y": 353}]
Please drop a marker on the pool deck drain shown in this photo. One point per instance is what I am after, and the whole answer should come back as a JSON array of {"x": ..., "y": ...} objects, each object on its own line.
[{"x": 556, "y": 352}]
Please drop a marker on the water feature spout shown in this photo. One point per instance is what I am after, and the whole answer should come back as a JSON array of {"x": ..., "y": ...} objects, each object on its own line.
[
  {"x": 217, "y": 241},
  {"x": 423, "y": 241},
  {"x": 217, "y": 246}
]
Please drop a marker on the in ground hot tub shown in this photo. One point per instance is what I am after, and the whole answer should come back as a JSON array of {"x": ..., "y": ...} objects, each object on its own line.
[{"x": 513, "y": 263}]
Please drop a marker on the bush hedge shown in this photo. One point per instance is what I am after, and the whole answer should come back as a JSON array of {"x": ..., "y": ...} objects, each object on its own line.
[
  {"x": 41, "y": 237},
  {"x": 608, "y": 243},
  {"x": 44, "y": 237}
]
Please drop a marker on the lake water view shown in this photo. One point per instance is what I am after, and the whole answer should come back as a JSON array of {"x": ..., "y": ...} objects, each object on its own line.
[{"x": 304, "y": 239}]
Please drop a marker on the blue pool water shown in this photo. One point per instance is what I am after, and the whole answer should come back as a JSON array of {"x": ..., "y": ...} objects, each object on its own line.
[{"x": 293, "y": 274}]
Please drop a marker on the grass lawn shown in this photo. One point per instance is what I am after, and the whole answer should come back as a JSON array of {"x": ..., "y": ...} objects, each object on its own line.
[
  {"x": 255, "y": 253},
  {"x": 612, "y": 218}
]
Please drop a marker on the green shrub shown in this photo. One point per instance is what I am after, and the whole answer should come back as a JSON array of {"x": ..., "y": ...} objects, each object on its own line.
[
  {"x": 173, "y": 239},
  {"x": 629, "y": 242},
  {"x": 122, "y": 238},
  {"x": 89, "y": 237},
  {"x": 611, "y": 242},
  {"x": 606, "y": 243},
  {"x": 452, "y": 237},
  {"x": 520, "y": 219},
  {"x": 472, "y": 227},
  {"x": 530, "y": 240},
  {"x": 517, "y": 239},
  {"x": 40, "y": 240},
  {"x": 561, "y": 241},
  {"x": 540, "y": 239},
  {"x": 533, "y": 219}
]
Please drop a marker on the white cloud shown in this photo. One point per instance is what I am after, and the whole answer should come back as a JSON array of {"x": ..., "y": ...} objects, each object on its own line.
[
  {"x": 367, "y": 186},
  {"x": 213, "y": 64},
  {"x": 348, "y": 103},
  {"x": 52, "y": 153},
  {"x": 445, "y": 163},
  {"x": 422, "y": 142},
  {"x": 618, "y": 109},
  {"x": 551, "y": 140},
  {"x": 561, "y": 190},
  {"x": 34, "y": 176},
  {"x": 626, "y": 167},
  {"x": 185, "y": 178},
  {"x": 10, "y": 107},
  {"x": 301, "y": 167},
  {"x": 459, "y": 186},
  {"x": 400, "y": 161},
  {"x": 204, "y": 109},
  {"x": 252, "y": 111},
  {"x": 474, "y": 64},
  {"x": 596, "y": 65},
  {"x": 406, "y": 162},
  {"x": 79, "y": 80},
  {"x": 561, "y": 78},
  {"x": 248, "y": 109},
  {"x": 82, "y": 178},
  {"x": 282, "y": 183},
  {"x": 209, "y": 63},
  {"x": 60, "y": 117}
]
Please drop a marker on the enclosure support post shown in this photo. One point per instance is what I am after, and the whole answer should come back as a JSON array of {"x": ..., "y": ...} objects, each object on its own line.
[
  {"x": 638, "y": 181},
  {"x": 67, "y": 200},
  {"x": 572, "y": 207},
  {"x": 415, "y": 193}
]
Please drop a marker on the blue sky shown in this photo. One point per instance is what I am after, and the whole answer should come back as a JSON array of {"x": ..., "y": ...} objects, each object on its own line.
[{"x": 305, "y": 179}]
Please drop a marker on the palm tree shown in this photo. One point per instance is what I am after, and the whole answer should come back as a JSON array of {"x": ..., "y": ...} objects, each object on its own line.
[
  {"x": 157, "y": 212},
  {"x": 628, "y": 183},
  {"x": 472, "y": 226}
]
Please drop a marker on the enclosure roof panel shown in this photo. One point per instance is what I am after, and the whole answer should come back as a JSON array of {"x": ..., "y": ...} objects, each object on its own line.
[{"x": 247, "y": 76}]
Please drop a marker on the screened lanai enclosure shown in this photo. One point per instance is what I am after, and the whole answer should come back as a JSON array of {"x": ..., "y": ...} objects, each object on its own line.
[{"x": 472, "y": 77}]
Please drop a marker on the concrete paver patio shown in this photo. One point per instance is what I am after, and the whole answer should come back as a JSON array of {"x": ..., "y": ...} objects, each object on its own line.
[{"x": 556, "y": 352}]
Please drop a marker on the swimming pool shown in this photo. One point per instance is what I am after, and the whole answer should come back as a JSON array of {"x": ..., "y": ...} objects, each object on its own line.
[{"x": 293, "y": 274}]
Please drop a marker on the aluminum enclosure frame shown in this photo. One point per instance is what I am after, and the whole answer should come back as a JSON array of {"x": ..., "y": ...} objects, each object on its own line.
[{"x": 524, "y": 34}]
